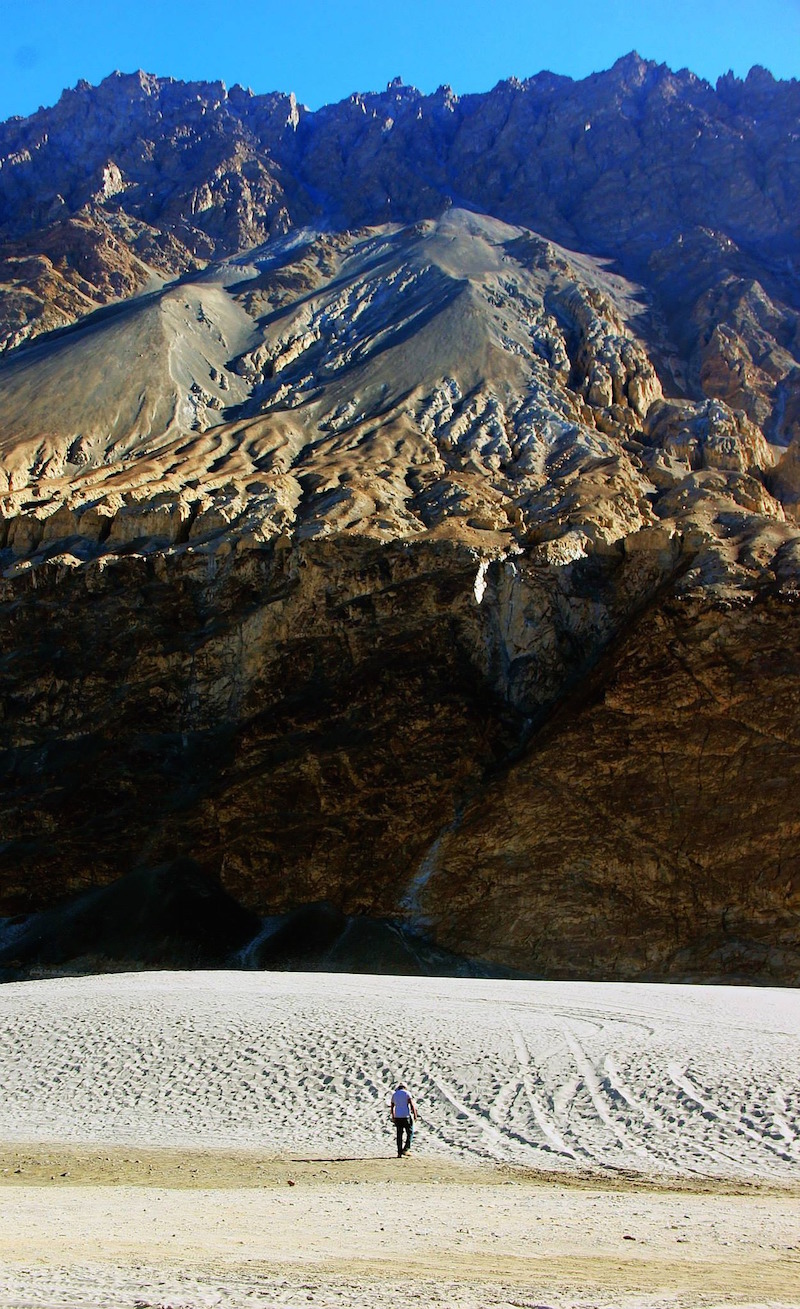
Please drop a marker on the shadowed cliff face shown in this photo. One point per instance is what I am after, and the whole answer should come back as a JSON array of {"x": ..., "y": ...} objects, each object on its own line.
[
  {"x": 427, "y": 568},
  {"x": 306, "y": 724},
  {"x": 350, "y": 728},
  {"x": 651, "y": 830}
]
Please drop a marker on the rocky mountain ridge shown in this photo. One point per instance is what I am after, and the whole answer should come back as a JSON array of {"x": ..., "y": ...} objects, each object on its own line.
[{"x": 415, "y": 529}]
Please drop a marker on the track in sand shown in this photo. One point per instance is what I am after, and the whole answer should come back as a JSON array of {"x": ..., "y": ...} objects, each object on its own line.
[{"x": 658, "y": 1081}]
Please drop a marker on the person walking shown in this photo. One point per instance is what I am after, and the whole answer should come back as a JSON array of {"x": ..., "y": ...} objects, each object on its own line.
[{"x": 404, "y": 1115}]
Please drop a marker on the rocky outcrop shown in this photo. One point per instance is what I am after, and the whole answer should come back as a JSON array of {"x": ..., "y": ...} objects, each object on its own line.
[{"x": 428, "y": 569}]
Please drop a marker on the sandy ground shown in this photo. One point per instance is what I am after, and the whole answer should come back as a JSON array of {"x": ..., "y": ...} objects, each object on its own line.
[{"x": 112, "y": 1194}]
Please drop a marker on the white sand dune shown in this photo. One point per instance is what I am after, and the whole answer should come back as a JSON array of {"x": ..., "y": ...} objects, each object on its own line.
[
  {"x": 662, "y": 1081},
  {"x": 221, "y": 1139}
]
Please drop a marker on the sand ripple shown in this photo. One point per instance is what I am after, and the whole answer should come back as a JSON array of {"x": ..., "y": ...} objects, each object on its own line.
[{"x": 655, "y": 1079}]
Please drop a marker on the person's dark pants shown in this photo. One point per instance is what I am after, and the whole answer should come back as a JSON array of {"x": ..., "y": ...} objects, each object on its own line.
[{"x": 404, "y": 1125}]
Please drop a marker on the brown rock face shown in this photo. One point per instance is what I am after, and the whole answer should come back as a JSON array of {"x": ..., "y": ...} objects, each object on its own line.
[
  {"x": 651, "y": 831},
  {"x": 302, "y": 721},
  {"x": 348, "y": 723},
  {"x": 396, "y": 555}
]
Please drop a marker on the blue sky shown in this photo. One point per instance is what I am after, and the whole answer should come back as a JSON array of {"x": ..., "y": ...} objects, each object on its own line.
[{"x": 326, "y": 49}]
